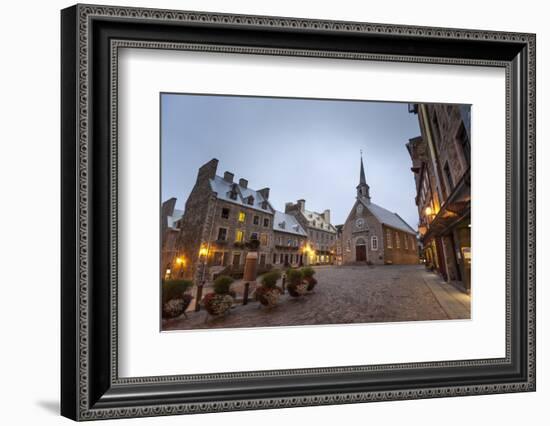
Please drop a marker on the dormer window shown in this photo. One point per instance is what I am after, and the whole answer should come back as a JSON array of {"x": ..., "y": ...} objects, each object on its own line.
[
  {"x": 250, "y": 200},
  {"x": 233, "y": 195},
  {"x": 282, "y": 225},
  {"x": 264, "y": 205}
]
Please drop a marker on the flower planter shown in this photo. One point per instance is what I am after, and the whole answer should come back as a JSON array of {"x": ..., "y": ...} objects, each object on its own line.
[
  {"x": 176, "y": 307},
  {"x": 268, "y": 297},
  {"x": 311, "y": 283},
  {"x": 297, "y": 290},
  {"x": 217, "y": 304}
]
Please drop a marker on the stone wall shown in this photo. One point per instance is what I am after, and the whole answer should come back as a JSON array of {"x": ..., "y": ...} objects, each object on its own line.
[
  {"x": 352, "y": 234},
  {"x": 396, "y": 251},
  {"x": 226, "y": 216}
]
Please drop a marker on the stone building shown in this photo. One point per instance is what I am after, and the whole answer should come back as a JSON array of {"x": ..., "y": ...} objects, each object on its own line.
[
  {"x": 321, "y": 234},
  {"x": 289, "y": 241},
  {"x": 374, "y": 235},
  {"x": 223, "y": 220},
  {"x": 170, "y": 265},
  {"x": 441, "y": 166}
]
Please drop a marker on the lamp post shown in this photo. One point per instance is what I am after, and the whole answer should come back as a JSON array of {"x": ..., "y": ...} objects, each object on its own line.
[
  {"x": 181, "y": 262},
  {"x": 203, "y": 254}
]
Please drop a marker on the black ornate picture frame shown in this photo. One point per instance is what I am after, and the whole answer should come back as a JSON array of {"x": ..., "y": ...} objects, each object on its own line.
[{"x": 91, "y": 387}]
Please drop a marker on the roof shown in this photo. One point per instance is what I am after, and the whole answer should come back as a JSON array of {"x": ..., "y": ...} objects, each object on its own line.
[
  {"x": 284, "y": 222},
  {"x": 176, "y": 215},
  {"x": 388, "y": 218},
  {"x": 222, "y": 188},
  {"x": 317, "y": 220}
]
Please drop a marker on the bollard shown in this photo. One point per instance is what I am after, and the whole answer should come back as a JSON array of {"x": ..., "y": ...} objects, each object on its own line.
[
  {"x": 249, "y": 274},
  {"x": 245, "y": 294},
  {"x": 199, "y": 297}
]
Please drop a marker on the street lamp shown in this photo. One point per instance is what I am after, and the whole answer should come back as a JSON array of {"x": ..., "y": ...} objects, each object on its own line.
[
  {"x": 203, "y": 254},
  {"x": 181, "y": 261}
]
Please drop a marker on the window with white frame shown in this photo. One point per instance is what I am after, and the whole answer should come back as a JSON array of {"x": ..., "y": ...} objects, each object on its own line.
[{"x": 374, "y": 242}]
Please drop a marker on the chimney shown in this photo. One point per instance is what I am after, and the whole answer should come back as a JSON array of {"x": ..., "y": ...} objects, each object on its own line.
[
  {"x": 264, "y": 192},
  {"x": 326, "y": 215},
  {"x": 243, "y": 183},
  {"x": 301, "y": 205},
  {"x": 288, "y": 207},
  {"x": 208, "y": 170},
  {"x": 228, "y": 177}
]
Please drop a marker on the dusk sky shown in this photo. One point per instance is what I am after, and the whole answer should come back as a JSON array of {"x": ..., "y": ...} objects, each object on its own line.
[{"x": 300, "y": 148}]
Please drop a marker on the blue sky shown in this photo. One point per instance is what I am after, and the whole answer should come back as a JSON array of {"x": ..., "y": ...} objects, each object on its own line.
[{"x": 300, "y": 148}]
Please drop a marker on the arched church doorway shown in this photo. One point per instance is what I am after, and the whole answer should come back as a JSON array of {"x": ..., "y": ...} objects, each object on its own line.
[{"x": 360, "y": 250}]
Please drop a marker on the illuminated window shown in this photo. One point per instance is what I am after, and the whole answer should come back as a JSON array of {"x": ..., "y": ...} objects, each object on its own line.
[
  {"x": 239, "y": 236},
  {"x": 388, "y": 239},
  {"x": 242, "y": 216}
]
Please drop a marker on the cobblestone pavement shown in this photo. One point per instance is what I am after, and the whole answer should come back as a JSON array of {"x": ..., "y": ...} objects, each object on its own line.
[{"x": 346, "y": 294}]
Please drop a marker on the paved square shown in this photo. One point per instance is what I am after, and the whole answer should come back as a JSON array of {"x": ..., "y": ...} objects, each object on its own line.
[{"x": 348, "y": 294}]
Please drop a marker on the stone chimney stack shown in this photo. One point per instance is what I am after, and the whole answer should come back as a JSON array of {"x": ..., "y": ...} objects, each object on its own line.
[
  {"x": 301, "y": 205},
  {"x": 264, "y": 192},
  {"x": 208, "y": 170},
  {"x": 243, "y": 183},
  {"x": 228, "y": 177},
  {"x": 326, "y": 215}
]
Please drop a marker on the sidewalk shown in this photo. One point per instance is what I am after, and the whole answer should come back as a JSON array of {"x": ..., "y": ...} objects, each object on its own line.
[{"x": 455, "y": 303}]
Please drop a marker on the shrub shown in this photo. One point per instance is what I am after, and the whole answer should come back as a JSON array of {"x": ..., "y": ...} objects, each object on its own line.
[
  {"x": 294, "y": 276},
  {"x": 174, "y": 289},
  {"x": 222, "y": 284},
  {"x": 308, "y": 272},
  {"x": 270, "y": 279}
]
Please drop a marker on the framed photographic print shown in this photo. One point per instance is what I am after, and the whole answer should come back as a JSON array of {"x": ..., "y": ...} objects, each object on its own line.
[{"x": 263, "y": 212}]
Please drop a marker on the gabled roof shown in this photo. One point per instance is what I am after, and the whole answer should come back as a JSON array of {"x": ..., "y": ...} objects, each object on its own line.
[
  {"x": 388, "y": 218},
  {"x": 222, "y": 188},
  {"x": 317, "y": 221},
  {"x": 284, "y": 222},
  {"x": 176, "y": 215}
]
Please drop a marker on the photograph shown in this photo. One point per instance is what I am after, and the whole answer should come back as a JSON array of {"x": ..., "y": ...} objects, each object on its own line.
[{"x": 283, "y": 212}]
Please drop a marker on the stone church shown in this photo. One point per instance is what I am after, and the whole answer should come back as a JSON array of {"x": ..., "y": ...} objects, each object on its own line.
[{"x": 374, "y": 235}]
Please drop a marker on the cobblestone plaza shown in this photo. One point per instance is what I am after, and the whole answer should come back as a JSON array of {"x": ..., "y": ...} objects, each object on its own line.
[{"x": 348, "y": 294}]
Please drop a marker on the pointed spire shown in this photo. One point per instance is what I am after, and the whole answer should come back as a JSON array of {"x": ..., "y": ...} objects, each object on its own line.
[
  {"x": 362, "y": 180},
  {"x": 363, "y": 190}
]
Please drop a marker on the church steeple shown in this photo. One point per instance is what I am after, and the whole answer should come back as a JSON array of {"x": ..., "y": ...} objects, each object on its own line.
[{"x": 363, "y": 189}]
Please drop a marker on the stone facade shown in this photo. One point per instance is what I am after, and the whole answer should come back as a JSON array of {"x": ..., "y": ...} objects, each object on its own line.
[
  {"x": 223, "y": 220},
  {"x": 170, "y": 265},
  {"x": 289, "y": 241},
  {"x": 441, "y": 166},
  {"x": 374, "y": 235},
  {"x": 321, "y": 234}
]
